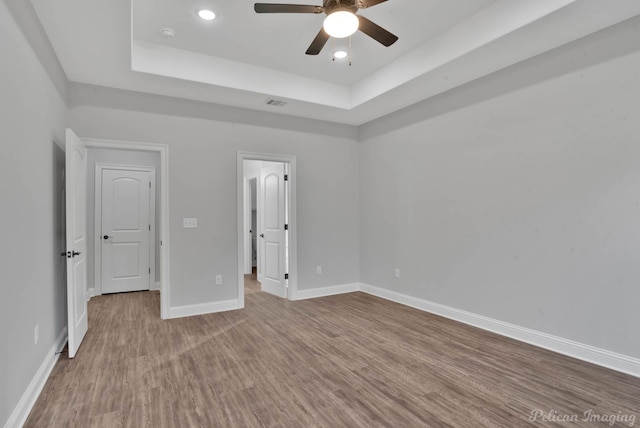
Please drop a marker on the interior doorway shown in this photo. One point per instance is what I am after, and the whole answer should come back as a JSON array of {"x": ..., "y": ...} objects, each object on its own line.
[
  {"x": 153, "y": 158},
  {"x": 77, "y": 232},
  {"x": 250, "y": 218},
  {"x": 251, "y": 283},
  {"x": 266, "y": 225}
]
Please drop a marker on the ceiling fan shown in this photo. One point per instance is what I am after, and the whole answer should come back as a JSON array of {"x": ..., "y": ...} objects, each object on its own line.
[{"x": 341, "y": 20}]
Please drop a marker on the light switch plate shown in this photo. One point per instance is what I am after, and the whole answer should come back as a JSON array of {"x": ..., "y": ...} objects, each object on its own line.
[{"x": 189, "y": 222}]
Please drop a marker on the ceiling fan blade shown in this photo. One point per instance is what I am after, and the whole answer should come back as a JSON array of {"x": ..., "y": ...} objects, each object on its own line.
[
  {"x": 318, "y": 43},
  {"x": 376, "y": 32},
  {"x": 363, "y": 4},
  {"x": 286, "y": 8}
]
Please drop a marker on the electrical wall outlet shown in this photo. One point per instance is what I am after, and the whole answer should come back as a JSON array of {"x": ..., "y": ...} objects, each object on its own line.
[
  {"x": 218, "y": 279},
  {"x": 189, "y": 223},
  {"x": 36, "y": 334},
  {"x": 318, "y": 270},
  {"x": 397, "y": 273}
]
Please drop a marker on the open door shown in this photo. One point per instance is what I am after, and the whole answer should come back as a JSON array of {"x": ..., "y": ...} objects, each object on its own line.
[
  {"x": 272, "y": 238},
  {"x": 76, "y": 194}
]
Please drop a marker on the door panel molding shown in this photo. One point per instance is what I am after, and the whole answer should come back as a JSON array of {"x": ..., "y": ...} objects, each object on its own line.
[{"x": 290, "y": 161}]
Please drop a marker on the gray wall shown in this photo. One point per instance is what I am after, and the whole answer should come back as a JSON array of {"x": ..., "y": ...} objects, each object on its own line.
[
  {"x": 519, "y": 204},
  {"x": 32, "y": 119},
  {"x": 117, "y": 157},
  {"x": 202, "y": 184}
]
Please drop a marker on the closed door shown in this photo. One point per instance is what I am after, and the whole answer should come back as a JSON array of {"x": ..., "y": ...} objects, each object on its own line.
[
  {"x": 126, "y": 230},
  {"x": 272, "y": 239},
  {"x": 76, "y": 212}
]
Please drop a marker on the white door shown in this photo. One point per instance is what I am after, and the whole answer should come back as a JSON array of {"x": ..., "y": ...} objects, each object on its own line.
[
  {"x": 272, "y": 238},
  {"x": 126, "y": 230},
  {"x": 76, "y": 211}
]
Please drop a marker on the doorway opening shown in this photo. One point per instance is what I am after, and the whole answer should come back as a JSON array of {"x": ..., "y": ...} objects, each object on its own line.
[
  {"x": 77, "y": 233},
  {"x": 251, "y": 283},
  {"x": 266, "y": 225},
  {"x": 128, "y": 166}
]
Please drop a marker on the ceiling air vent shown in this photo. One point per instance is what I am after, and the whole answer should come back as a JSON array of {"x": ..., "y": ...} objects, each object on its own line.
[{"x": 275, "y": 103}]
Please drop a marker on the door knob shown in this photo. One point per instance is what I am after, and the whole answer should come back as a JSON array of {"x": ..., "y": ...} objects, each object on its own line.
[
  {"x": 75, "y": 253},
  {"x": 106, "y": 237},
  {"x": 262, "y": 235}
]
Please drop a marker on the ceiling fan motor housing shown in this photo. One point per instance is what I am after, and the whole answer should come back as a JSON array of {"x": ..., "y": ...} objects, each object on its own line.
[{"x": 331, "y": 6}]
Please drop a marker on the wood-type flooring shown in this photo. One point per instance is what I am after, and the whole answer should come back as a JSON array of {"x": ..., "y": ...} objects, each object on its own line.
[{"x": 350, "y": 360}]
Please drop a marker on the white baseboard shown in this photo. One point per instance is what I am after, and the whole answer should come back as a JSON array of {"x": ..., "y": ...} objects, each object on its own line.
[
  {"x": 203, "y": 308},
  {"x": 580, "y": 351},
  {"x": 331, "y": 290},
  {"x": 28, "y": 399},
  {"x": 156, "y": 286}
]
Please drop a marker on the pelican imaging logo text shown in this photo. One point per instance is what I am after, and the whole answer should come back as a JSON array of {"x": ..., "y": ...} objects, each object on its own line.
[{"x": 589, "y": 416}]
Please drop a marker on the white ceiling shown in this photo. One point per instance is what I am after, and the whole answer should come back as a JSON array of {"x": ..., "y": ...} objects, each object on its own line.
[
  {"x": 243, "y": 58},
  {"x": 279, "y": 41}
]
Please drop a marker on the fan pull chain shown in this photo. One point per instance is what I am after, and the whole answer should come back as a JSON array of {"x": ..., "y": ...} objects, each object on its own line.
[
  {"x": 333, "y": 50},
  {"x": 349, "y": 51}
]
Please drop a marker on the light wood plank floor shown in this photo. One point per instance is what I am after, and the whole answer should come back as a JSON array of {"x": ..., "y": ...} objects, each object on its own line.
[
  {"x": 351, "y": 360},
  {"x": 251, "y": 284}
]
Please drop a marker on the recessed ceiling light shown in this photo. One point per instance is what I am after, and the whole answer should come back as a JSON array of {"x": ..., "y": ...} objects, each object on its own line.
[
  {"x": 340, "y": 54},
  {"x": 207, "y": 15}
]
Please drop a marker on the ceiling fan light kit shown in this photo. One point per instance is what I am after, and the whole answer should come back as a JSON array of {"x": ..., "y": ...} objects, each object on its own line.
[
  {"x": 341, "y": 24},
  {"x": 341, "y": 21}
]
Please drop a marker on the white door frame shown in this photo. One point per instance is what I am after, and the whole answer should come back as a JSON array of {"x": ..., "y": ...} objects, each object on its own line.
[
  {"x": 98, "y": 221},
  {"x": 291, "y": 197},
  {"x": 248, "y": 256},
  {"x": 163, "y": 219}
]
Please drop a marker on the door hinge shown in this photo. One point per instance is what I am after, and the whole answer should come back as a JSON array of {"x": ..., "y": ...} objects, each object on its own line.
[
  {"x": 149, "y": 227},
  {"x": 149, "y": 185},
  {"x": 286, "y": 227},
  {"x": 286, "y": 276},
  {"x": 286, "y": 177},
  {"x": 149, "y": 270}
]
